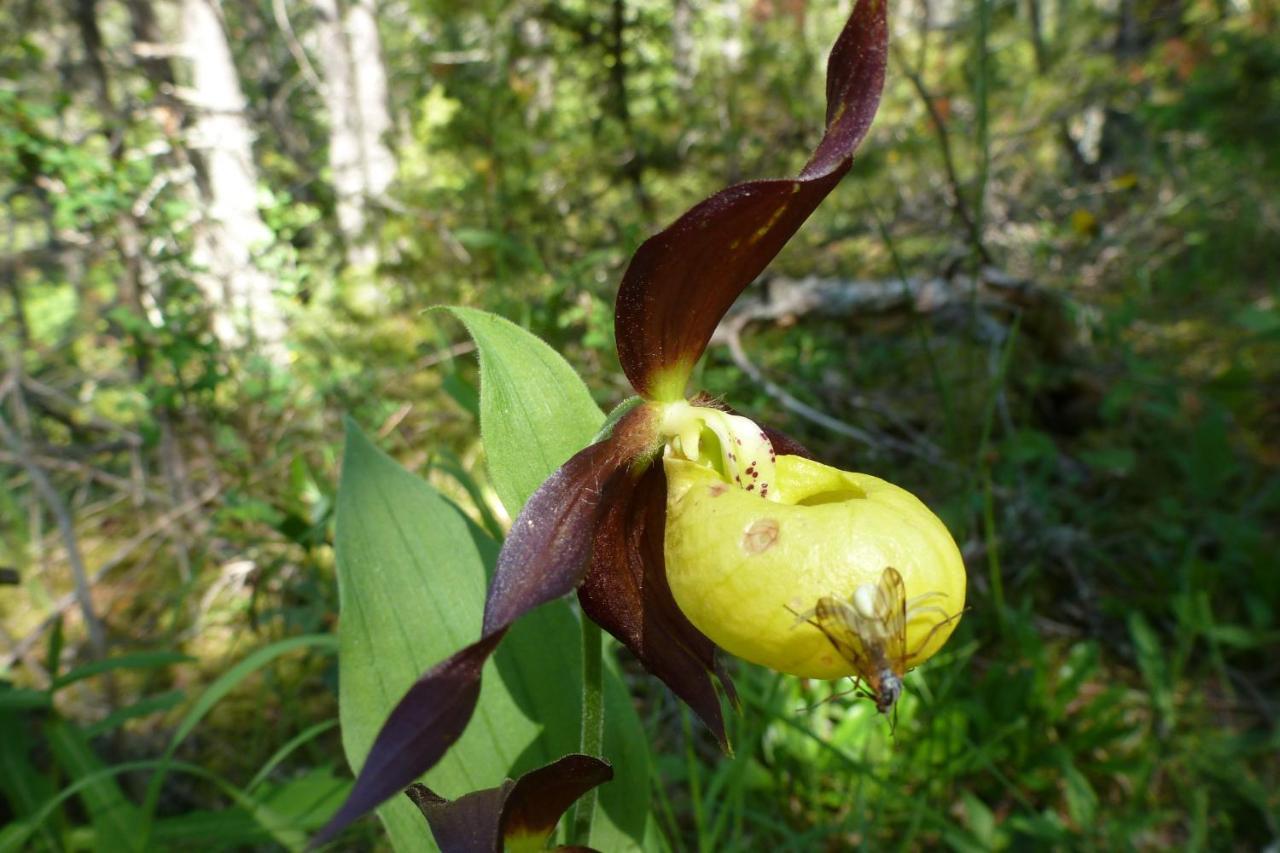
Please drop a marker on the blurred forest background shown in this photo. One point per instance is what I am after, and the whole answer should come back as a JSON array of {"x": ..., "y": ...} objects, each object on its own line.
[{"x": 1045, "y": 300}]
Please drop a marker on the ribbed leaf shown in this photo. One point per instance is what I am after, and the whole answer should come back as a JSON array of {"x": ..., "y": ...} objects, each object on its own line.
[
  {"x": 411, "y": 591},
  {"x": 534, "y": 410}
]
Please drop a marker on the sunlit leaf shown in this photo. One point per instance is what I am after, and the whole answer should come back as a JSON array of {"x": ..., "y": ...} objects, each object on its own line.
[
  {"x": 534, "y": 410},
  {"x": 116, "y": 821}
]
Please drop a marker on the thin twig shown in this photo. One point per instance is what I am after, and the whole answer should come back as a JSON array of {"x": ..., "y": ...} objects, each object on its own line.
[
  {"x": 295, "y": 47},
  {"x": 733, "y": 338},
  {"x": 959, "y": 205},
  {"x": 53, "y": 501},
  {"x": 160, "y": 525},
  {"x": 57, "y": 463}
]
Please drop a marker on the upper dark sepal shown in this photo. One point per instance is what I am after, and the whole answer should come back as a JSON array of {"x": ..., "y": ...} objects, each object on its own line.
[
  {"x": 524, "y": 810},
  {"x": 682, "y": 280},
  {"x": 626, "y": 592}
]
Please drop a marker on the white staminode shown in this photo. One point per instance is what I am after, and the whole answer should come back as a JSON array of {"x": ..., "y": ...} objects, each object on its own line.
[{"x": 746, "y": 454}]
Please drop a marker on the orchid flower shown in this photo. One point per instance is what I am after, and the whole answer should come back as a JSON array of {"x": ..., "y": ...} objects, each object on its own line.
[{"x": 685, "y": 528}]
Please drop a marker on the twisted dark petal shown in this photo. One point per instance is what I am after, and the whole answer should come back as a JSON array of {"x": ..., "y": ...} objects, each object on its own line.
[
  {"x": 683, "y": 279},
  {"x": 544, "y": 557},
  {"x": 529, "y": 808},
  {"x": 419, "y": 730},
  {"x": 626, "y": 592},
  {"x": 541, "y": 796}
]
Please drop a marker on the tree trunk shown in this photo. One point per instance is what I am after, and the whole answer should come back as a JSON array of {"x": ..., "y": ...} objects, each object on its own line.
[
  {"x": 355, "y": 95},
  {"x": 244, "y": 307}
]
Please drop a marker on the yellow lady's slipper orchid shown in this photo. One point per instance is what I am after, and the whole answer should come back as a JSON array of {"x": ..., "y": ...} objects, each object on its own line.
[{"x": 730, "y": 543}]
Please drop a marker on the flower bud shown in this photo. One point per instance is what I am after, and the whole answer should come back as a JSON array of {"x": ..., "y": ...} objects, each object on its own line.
[{"x": 745, "y": 570}]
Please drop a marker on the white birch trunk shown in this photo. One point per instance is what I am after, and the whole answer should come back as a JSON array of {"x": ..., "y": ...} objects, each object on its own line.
[
  {"x": 245, "y": 310},
  {"x": 355, "y": 94}
]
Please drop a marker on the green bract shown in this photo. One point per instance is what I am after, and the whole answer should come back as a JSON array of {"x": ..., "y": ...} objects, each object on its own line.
[{"x": 741, "y": 568}]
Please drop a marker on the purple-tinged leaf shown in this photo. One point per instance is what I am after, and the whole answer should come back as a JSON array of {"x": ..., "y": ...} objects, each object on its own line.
[
  {"x": 547, "y": 549},
  {"x": 541, "y": 796},
  {"x": 419, "y": 730},
  {"x": 469, "y": 824},
  {"x": 626, "y": 592},
  {"x": 522, "y": 814},
  {"x": 682, "y": 280}
]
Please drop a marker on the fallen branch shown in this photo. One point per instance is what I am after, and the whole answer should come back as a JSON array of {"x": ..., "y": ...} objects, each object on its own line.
[
  {"x": 732, "y": 334},
  {"x": 788, "y": 299}
]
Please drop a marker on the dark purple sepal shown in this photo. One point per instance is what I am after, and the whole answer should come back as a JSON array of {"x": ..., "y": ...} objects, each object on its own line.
[
  {"x": 682, "y": 280},
  {"x": 626, "y": 592},
  {"x": 547, "y": 550},
  {"x": 528, "y": 808},
  {"x": 469, "y": 824},
  {"x": 417, "y": 733}
]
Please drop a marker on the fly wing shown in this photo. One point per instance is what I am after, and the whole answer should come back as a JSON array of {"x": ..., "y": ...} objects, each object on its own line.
[
  {"x": 891, "y": 613},
  {"x": 840, "y": 623}
]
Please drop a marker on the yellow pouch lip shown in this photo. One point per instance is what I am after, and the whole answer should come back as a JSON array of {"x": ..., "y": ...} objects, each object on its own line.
[{"x": 741, "y": 568}]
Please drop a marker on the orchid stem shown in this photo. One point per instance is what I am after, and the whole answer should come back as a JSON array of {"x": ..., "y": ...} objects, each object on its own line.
[{"x": 592, "y": 721}]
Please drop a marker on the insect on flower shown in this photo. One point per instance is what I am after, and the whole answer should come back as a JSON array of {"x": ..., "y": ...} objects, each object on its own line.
[{"x": 869, "y": 630}]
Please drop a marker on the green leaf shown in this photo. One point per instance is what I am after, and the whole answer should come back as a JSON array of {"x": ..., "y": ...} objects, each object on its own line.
[
  {"x": 23, "y": 787},
  {"x": 1082, "y": 800},
  {"x": 306, "y": 801},
  {"x": 14, "y": 836},
  {"x": 137, "y": 660},
  {"x": 214, "y": 693},
  {"x": 115, "y": 820},
  {"x": 411, "y": 587},
  {"x": 144, "y": 707},
  {"x": 23, "y": 699},
  {"x": 534, "y": 410},
  {"x": 301, "y": 739}
]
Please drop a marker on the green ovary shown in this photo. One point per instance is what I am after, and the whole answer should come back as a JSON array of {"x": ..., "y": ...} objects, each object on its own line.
[{"x": 741, "y": 568}]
